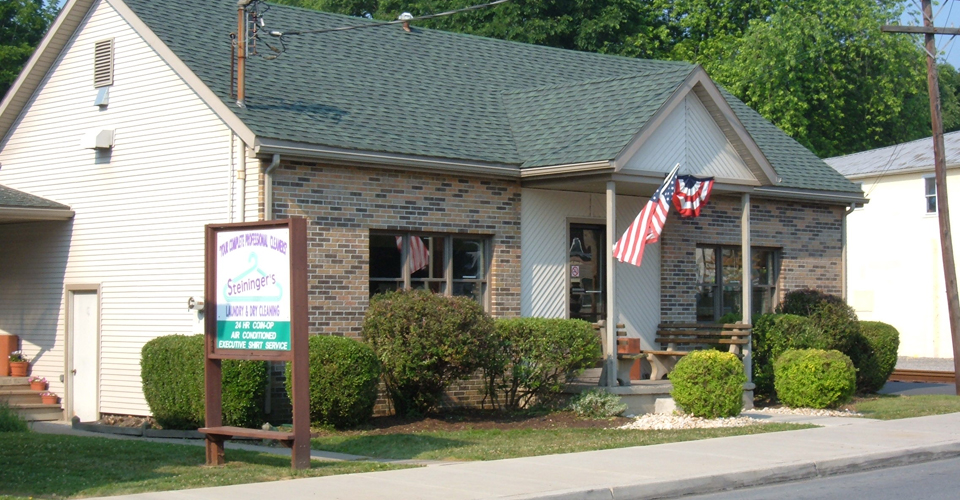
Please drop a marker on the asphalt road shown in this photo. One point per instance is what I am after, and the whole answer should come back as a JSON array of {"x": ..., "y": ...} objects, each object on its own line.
[{"x": 929, "y": 481}]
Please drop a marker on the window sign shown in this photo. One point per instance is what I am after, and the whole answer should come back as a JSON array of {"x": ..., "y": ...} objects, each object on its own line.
[{"x": 253, "y": 289}]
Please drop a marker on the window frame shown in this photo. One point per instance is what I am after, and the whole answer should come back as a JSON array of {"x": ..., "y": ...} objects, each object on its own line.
[
  {"x": 717, "y": 285},
  {"x": 928, "y": 196},
  {"x": 447, "y": 280}
]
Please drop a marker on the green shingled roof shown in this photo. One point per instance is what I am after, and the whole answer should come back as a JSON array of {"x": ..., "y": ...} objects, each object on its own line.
[
  {"x": 11, "y": 198},
  {"x": 445, "y": 95}
]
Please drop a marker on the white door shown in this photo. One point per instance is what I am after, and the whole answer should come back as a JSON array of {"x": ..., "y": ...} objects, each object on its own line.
[{"x": 85, "y": 342}]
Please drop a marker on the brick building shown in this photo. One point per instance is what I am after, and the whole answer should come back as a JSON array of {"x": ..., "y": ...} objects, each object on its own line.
[{"x": 424, "y": 159}]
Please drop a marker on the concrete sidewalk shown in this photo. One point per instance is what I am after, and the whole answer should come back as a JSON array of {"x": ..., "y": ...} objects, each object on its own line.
[{"x": 667, "y": 470}]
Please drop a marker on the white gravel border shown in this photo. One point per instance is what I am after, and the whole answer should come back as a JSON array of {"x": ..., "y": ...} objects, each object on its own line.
[{"x": 662, "y": 421}]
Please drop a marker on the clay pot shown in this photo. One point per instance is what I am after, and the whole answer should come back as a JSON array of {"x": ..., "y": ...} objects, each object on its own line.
[
  {"x": 19, "y": 368},
  {"x": 38, "y": 386},
  {"x": 51, "y": 399}
]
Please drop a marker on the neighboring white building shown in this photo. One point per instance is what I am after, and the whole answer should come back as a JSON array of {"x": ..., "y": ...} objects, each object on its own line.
[{"x": 895, "y": 269}]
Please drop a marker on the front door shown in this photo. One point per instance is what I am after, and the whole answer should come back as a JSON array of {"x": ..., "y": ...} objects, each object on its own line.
[
  {"x": 85, "y": 354},
  {"x": 587, "y": 270}
]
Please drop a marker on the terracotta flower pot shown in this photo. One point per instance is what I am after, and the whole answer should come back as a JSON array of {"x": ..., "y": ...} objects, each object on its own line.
[
  {"x": 19, "y": 368},
  {"x": 38, "y": 386},
  {"x": 49, "y": 400}
]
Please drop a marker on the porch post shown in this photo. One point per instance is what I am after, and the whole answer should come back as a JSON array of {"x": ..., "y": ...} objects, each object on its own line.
[
  {"x": 747, "y": 282},
  {"x": 611, "y": 322}
]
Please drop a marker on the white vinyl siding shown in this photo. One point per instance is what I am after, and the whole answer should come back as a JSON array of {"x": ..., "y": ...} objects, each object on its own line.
[
  {"x": 544, "y": 217},
  {"x": 140, "y": 208},
  {"x": 690, "y": 136}
]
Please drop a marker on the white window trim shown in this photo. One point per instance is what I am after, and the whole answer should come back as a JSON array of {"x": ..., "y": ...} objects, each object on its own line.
[{"x": 925, "y": 195}]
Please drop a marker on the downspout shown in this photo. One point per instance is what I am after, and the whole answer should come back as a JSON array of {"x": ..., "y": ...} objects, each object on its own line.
[
  {"x": 242, "y": 177},
  {"x": 268, "y": 187},
  {"x": 843, "y": 251}
]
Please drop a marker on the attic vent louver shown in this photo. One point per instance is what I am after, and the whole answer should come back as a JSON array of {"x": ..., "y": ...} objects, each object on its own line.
[{"x": 103, "y": 63}]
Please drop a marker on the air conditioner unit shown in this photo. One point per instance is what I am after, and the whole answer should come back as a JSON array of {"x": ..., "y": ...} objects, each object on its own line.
[{"x": 97, "y": 139}]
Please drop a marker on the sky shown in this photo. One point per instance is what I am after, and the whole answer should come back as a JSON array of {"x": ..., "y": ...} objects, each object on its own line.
[{"x": 946, "y": 15}]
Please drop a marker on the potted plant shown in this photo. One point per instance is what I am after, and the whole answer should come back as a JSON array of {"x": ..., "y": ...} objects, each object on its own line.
[
  {"x": 18, "y": 364},
  {"x": 49, "y": 398},
  {"x": 38, "y": 384}
]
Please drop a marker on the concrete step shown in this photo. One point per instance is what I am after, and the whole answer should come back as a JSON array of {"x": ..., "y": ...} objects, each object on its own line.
[
  {"x": 19, "y": 396},
  {"x": 38, "y": 412},
  {"x": 8, "y": 381}
]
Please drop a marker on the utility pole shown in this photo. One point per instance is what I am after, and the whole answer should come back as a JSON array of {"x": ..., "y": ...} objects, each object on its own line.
[{"x": 940, "y": 168}]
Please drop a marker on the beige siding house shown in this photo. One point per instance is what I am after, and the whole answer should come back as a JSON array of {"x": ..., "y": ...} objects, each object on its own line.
[
  {"x": 122, "y": 138},
  {"x": 894, "y": 258}
]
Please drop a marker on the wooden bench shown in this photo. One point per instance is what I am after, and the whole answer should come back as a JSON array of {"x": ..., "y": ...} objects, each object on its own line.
[
  {"x": 221, "y": 434},
  {"x": 693, "y": 336}
]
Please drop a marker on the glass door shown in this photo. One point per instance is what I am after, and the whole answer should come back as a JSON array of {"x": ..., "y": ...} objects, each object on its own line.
[{"x": 586, "y": 266}]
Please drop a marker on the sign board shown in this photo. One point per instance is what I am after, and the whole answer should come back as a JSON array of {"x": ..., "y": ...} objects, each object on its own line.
[
  {"x": 256, "y": 291},
  {"x": 253, "y": 289}
]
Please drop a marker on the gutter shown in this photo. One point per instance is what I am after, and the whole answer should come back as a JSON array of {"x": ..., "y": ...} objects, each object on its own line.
[
  {"x": 35, "y": 214},
  {"x": 354, "y": 157},
  {"x": 816, "y": 196},
  {"x": 268, "y": 187}
]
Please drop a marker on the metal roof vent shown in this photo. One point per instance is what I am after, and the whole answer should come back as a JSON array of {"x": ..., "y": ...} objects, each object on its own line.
[{"x": 103, "y": 63}]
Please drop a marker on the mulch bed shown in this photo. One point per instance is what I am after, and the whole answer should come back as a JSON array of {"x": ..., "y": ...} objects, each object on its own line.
[
  {"x": 460, "y": 420},
  {"x": 453, "y": 420}
]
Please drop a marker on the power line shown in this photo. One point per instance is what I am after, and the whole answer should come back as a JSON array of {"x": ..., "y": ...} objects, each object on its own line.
[{"x": 387, "y": 23}]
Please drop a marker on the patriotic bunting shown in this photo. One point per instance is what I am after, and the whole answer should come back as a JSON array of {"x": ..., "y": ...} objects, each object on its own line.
[
  {"x": 692, "y": 194},
  {"x": 648, "y": 225}
]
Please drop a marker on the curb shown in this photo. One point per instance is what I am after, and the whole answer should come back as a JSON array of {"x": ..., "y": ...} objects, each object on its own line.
[{"x": 756, "y": 477}]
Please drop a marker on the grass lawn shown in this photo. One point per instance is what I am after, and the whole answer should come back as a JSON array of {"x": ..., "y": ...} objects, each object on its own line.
[
  {"x": 495, "y": 444},
  {"x": 890, "y": 407},
  {"x": 54, "y": 466}
]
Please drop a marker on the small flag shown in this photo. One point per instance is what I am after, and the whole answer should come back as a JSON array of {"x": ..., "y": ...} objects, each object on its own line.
[
  {"x": 419, "y": 253},
  {"x": 692, "y": 194},
  {"x": 648, "y": 225}
]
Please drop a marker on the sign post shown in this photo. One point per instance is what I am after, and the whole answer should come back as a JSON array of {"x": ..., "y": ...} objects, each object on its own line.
[{"x": 255, "y": 293}]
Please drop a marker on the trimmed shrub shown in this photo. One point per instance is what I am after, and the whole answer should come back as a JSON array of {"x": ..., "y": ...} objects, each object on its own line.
[
  {"x": 344, "y": 377},
  {"x": 709, "y": 384},
  {"x": 10, "y": 421},
  {"x": 774, "y": 334},
  {"x": 534, "y": 357},
  {"x": 803, "y": 302},
  {"x": 597, "y": 403},
  {"x": 880, "y": 356},
  {"x": 814, "y": 378},
  {"x": 424, "y": 342},
  {"x": 171, "y": 368}
]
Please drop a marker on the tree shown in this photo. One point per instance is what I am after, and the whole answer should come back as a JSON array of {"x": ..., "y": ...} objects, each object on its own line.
[
  {"x": 22, "y": 25},
  {"x": 823, "y": 72}
]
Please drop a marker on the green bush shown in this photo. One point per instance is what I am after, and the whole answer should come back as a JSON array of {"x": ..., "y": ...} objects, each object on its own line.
[
  {"x": 10, "y": 421},
  {"x": 814, "y": 378},
  {"x": 880, "y": 356},
  {"x": 534, "y": 357},
  {"x": 803, "y": 302},
  {"x": 424, "y": 342},
  {"x": 597, "y": 403},
  {"x": 774, "y": 334},
  {"x": 709, "y": 384},
  {"x": 171, "y": 368},
  {"x": 344, "y": 377}
]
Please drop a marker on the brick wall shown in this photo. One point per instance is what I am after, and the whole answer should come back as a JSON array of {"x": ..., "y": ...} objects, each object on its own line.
[
  {"x": 807, "y": 234},
  {"x": 342, "y": 204}
]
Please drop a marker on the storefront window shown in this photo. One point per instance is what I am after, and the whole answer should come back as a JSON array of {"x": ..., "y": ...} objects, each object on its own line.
[{"x": 720, "y": 281}]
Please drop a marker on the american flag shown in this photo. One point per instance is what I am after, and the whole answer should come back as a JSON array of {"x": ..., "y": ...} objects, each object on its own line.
[
  {"x": 419, "y": 253},
  {"x": 649, "y": 223},
  {"x": 692, "y": 194}
]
